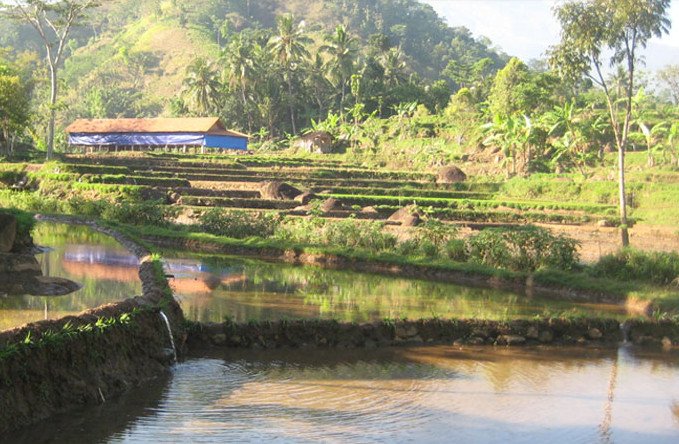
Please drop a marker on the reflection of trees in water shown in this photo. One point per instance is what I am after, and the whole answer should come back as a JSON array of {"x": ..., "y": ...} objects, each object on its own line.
[
  {"x": 54, "y": 235},
  {"x": 274, "y": 291}
]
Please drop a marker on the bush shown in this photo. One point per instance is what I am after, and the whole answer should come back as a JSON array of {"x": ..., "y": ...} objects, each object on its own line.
[
  {"x": 523, "y": 249},
  {"x": 629, "y": 264},
  {"x": 85, "y": 207},
  {"x": 239, "y": 224},
  {"x": 347, "y": 233},
  {"x": 151, "y": 213},
  {"x": 456, "y": 250}
]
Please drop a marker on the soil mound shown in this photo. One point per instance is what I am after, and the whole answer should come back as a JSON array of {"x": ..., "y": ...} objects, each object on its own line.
[
  {"x": 451, "y": 174},
  {"x": 408, "y": 216},
  {"x": 275, "y": 190}
]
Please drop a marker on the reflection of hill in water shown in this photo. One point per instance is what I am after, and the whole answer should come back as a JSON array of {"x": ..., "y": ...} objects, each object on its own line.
[
  {"x": 204, "y": 283},
  {"x": 101, "y": 271}
]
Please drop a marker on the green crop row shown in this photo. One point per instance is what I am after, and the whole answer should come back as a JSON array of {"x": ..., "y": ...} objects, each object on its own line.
[
  {"x": 238, "y": 203},
  {"x": 58, "y": 167},
  {"x": 403, "y": 192},
  {"x": 136, "y": 180},
  {"x": 470, "y": 203}
]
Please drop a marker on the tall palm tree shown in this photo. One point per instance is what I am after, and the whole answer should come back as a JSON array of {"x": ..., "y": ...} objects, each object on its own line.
[
  {"x": 393, "y": 62},
  {"x": 240, "y": 71},
  {"x": 288, "y": 46},
  {"x": 341, "y": 47},
  {"x": 201, "y": 86}
]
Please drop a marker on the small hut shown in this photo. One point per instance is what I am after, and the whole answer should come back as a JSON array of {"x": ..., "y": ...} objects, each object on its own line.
[
  {"x": 133, "y": 134},
  {"x": 315, "y": 142}
]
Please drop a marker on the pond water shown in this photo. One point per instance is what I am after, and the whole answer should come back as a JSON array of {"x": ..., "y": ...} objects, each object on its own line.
[
  {"x": 104, "y": 268},
  {"x": 426, "y": 394},
  {"x": 213, "y": 288}
]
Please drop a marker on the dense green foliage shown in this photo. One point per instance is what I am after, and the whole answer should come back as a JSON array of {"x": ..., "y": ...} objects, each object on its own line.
[
  {"x": 629, "y": 264},
  {"x": 523, "y": 249},
  {"x": 239, "y": 224}
]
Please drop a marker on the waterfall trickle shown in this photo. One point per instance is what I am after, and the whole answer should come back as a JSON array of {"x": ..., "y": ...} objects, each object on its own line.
[
  {"x": 625, "y": 328},
  {"x": 169, "y": 331}
]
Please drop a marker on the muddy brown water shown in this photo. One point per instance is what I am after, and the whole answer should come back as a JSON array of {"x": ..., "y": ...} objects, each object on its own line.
[
  {"x": 106, "y": 270},
  {"x": 427, "y": 394}
]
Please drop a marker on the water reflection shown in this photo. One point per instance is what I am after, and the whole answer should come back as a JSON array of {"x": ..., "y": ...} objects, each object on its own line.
[
  {"x": 214, "y": 288},
  {"x": 106, "y": 270},
  {"x": 427, "y": 394}
]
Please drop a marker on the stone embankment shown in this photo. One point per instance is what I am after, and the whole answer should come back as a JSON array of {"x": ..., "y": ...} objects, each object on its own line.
[
  {"x": 52, "y": 366},
  {"x": 319, "y": 333}
]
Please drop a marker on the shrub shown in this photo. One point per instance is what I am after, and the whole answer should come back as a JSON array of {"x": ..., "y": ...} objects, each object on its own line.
[
  {"x": 523, "y": 249},
  {"x": 239, "y": 224},
  {"x": 151, "y": 213},
  {"x": 456, "y": 250},
  {"x": 348, "y": 233},
  {"x": 85, "y": 207},
  {"x": 629, "y": 264}
]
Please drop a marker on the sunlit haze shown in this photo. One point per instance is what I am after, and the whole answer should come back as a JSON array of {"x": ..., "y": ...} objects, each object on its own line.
[{"x": 526, "y": 28}]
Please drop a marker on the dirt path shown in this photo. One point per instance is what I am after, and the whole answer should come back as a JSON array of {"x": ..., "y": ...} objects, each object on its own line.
[{"x": 598, "y": 241}]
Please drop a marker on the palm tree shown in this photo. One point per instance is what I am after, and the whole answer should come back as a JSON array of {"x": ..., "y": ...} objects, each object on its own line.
[
  {"x": 394, "y": 66},
  {"x": 341, "y": 47},
  {"x": 240, "y": 71},
  {"x": 288, "y": 47},
  {"x": 201, "y": 86},
  {"x": 318, "y": 84}
]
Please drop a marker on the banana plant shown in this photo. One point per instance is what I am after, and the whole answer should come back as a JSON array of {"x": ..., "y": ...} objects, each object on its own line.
[
  {"x": 673, "y": 143},
  {"x": 652, "y": 137}
]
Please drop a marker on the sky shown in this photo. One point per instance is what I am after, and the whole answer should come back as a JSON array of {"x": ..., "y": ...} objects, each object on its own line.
[{"x": 526, "y": 28}]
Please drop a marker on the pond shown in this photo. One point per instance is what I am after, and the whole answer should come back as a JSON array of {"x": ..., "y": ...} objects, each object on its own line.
[
  {"x": 214, "y": 288},
  {"x": 105, "y": 269},
  {"x": 426, "y": 394}
]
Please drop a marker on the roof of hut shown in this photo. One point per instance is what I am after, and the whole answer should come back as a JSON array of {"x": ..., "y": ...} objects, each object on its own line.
[{"x": 208, "y": 125}]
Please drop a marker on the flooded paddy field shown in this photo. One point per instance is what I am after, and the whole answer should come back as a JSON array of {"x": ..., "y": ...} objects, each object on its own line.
[
  {"x": 426, "y": 394},
  {"x": 106, "y": 271},
  {"x": 215, "y": 288}
]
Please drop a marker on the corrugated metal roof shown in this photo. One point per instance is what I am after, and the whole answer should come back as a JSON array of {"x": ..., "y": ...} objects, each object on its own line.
[{"x": 209, "y": 125}]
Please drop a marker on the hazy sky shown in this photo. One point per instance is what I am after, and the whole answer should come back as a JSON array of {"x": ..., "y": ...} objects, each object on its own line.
[{"x": 524, "y": 28}]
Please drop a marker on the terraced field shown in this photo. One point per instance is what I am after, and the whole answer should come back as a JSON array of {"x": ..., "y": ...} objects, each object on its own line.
[
  {"x": 197, "y": 183},
  {"x": 583, "y": 209}
]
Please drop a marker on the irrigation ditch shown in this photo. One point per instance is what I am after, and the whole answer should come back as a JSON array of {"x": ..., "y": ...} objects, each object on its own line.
[{"x": 49, "y": 367}]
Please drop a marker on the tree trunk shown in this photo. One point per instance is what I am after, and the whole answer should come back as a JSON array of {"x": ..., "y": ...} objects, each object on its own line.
[
  {"x": 53, "y": 112},
  {"x": 623, "y": 197},
  {"x": 291, "y": 105}
]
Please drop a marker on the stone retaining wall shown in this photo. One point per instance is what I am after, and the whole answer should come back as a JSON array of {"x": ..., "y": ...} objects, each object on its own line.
[
  {"x": 52, "y": 366},
  {"x": 302, "y": 333}
]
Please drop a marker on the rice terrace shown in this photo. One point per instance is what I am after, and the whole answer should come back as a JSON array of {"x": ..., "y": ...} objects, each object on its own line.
[{"x": 339, "y": 221}]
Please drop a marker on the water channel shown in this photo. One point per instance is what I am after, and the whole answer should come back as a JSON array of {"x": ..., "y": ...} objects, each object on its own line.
[{"x": 428, "y": 394}]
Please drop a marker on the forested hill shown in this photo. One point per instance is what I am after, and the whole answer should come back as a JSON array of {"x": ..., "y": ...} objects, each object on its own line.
[{"x": 132, "y": 57}]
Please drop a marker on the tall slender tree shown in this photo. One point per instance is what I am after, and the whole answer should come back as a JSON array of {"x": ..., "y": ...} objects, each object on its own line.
[
  {"x": 201, "y": 87},
  {"x": 341, "y": 47},
  {"x": 53, "y": 21},
  {"x": 289, "y": 47},
  {"x": 240, "y": 71},
  {"x": 591, "y": 29}
]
